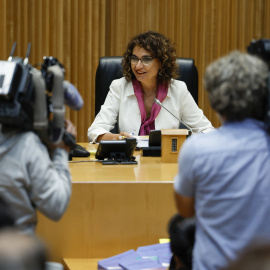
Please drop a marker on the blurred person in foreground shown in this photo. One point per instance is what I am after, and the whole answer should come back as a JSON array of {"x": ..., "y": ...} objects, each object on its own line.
[
  {"x": 150, "y": 71},
  {"x": 21, "y": 252},
  {"x": 32, "y": 177},
  {"x": 224, "y": 176}
]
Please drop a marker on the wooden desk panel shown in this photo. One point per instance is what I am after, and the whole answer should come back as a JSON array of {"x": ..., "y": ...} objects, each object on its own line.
[
  {"x": 122, "y": 208},
  {"x": 81, "y": 264}
]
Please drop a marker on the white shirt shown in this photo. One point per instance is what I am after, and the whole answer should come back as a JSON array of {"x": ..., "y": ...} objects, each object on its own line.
[{"x": 121, "y": 106}]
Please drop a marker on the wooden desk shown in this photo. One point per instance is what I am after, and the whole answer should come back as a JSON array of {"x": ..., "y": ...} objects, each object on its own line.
[
  {"x": 113, "y": 208},
  {"x": 81, "y": 264},
  {"x": 148, "y": 170}
]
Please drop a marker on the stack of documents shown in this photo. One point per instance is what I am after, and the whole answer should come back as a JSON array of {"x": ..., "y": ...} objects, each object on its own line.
[
  {"x": 142, "y": 264},
  {"x": 156, "y": 256},
  {"x": 161, "y": 251},
  {"x": 114, "y": 262}
]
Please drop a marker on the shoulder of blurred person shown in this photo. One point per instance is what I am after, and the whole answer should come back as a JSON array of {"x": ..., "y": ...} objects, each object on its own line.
[
  {"x": 21, "y": 252},
  {"x": 254, "y": 257}
]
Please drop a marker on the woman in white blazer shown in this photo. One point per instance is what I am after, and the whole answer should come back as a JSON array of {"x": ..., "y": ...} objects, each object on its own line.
[{"x": 149, "y": 68}]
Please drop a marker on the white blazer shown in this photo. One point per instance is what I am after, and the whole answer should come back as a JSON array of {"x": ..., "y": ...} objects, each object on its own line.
[{"x": 121, "y": 106}]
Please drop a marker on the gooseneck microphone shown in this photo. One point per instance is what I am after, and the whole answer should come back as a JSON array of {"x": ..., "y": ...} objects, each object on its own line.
[{"x": 181, "y": 121}]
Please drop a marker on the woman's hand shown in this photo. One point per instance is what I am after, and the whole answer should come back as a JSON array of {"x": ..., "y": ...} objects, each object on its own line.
[{"x": 111, "y": 136}]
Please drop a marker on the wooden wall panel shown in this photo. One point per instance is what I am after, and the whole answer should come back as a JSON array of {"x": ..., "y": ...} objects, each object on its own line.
[
  {"x": 203, "y": 30},
  {"x": 72, "y": 31},
  {"x": 78, "y": 32}
]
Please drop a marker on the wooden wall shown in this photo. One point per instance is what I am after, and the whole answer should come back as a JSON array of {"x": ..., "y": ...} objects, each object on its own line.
[{"x": 78, "y": 32}]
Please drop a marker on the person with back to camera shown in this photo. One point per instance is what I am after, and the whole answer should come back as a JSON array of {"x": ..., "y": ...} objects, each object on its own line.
[
  {"x": 30, "y": 179},
  {"x": 150, "y": 70},
  {"x": 224, "y": 176}
]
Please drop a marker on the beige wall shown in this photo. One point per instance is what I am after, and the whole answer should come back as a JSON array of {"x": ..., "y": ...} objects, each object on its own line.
[{"x": 78, "y": 32}]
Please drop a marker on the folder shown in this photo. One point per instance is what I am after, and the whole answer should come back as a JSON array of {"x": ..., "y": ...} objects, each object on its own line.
[
  {"x": 162, "y": 251},
  {"x": 113, "y": 262},
  {"x": 145, "y": 264}
]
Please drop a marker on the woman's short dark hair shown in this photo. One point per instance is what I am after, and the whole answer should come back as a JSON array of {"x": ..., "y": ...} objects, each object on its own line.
[
  {"x": 237, "y": 86},
  {"x": 159, "y": 46}
]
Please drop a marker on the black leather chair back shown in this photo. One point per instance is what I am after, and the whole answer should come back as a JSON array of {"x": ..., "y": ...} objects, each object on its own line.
[{"x": 110, "y": 68}]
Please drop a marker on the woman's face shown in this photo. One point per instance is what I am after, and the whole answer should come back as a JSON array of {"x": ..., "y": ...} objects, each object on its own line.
[{"x": 145, "y": 73}]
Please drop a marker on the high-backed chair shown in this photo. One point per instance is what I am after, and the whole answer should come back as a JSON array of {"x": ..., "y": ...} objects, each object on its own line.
[{"x": 110, "y": 68}]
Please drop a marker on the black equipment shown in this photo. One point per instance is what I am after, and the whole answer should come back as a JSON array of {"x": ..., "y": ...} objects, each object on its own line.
[
  {"x": 261, "y": 48},
  {"x": 32, "y": 99},
  {"x": 117, "y": 152},
  {"x": 154, "y": 148}
]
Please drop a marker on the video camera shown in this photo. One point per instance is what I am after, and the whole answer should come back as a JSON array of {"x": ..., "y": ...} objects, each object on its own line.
[
  {"x": 32, "y": 99},
  {"x": 261, "y": 48}
]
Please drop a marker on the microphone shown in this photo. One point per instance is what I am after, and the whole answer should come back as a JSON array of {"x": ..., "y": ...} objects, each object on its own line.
[
  {"x": 72, "y": 96},
  {"x": 181, "y": 121}
]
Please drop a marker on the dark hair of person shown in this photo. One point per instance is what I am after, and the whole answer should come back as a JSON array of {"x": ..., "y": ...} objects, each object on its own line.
[
  {"x": 237, "y": 86},
  {"x": 158, "y": 46},
  {"x": 182, "y": 238}
]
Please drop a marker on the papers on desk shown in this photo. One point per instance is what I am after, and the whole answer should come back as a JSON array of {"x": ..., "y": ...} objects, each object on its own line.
[
  {"x": 142, "y": 141},
  {"x": 142, "y": 264},
  {"x": 113, "y": 263},
  {"x": 156, "y": 256},
  {"x": 161, "y": 251}
]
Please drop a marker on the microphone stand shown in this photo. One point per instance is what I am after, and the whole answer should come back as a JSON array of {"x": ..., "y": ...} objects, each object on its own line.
[{"x": 181, "y": 121}]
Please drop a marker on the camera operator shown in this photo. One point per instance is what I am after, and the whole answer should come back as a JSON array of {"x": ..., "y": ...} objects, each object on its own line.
[{"x": 32, "y": 177}]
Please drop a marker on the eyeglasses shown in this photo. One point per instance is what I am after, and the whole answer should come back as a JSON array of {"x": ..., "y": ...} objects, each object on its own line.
[{"x": 146, "y": 60}]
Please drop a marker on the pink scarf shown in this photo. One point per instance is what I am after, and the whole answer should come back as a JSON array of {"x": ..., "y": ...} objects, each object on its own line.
[{"x": 148, "y": 124}]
